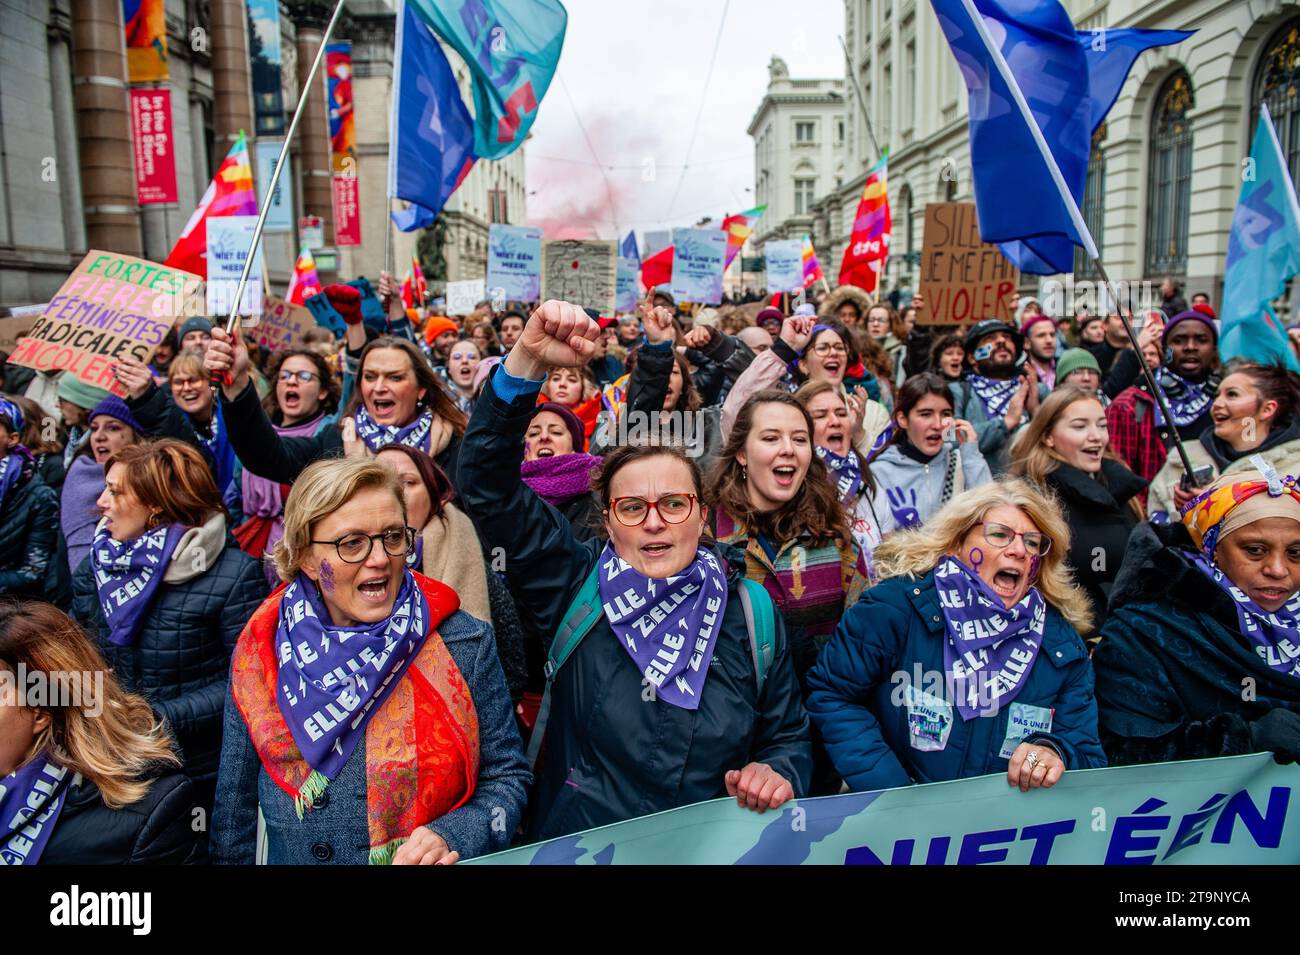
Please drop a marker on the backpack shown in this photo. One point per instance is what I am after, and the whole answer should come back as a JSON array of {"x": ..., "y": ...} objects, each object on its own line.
[{"x": 585, "y": 611}]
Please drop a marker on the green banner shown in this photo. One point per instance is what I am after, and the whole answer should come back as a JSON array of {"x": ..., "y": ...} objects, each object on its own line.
[{"x": 1235, "y": 810}]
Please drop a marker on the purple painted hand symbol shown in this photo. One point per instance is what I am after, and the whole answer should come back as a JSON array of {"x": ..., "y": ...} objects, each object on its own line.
[{"x": 902, "y": 502}]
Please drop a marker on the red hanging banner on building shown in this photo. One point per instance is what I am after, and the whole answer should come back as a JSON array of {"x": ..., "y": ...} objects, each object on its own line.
[
  {"x": 155, "y": 154},
  {"x": 343, "y": 144},
  {"x": 347, "y": 211}
]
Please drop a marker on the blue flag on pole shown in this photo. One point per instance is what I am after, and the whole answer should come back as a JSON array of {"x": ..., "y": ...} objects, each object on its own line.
[
  {"x": 431, "y": 133},
  {"x": 1263, "y": 253},
  {"x": 512, "y": 48},
  {"x": 629, "y": 250},
  {"x": 1066, "y": 80}
]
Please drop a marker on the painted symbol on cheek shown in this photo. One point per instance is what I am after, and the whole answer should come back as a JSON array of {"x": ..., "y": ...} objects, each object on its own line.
[
  {"x": 1034, "y": 563},
  {"x": 326, "y": 577},
  {"x": 975, "y": 558}
]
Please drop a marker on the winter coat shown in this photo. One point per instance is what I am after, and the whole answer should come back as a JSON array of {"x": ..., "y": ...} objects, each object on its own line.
[
  {"x": 157, "y": 829},
  {"x": 334, "y": 829},
  {"x": 1100, "y": 522},
  {"x": 608, "y": 755},
  {"x": 180, "y": 659},
  {"x": 1280, "y": 449},
  {"x": 78, "y": 512},
  {"x": 909, "y": 489},
  {"x": 29, "y": 526},
  {"x": 992, "y": 434},
  {"x": 1173, "y": 662},
  {"x": 893, "y": 640}
]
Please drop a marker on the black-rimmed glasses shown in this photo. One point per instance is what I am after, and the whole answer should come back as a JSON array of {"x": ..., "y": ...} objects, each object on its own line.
[{"x": 355, "y": 548}]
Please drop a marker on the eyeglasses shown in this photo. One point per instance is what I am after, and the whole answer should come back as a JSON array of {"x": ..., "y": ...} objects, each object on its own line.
[
  {"x": 303, "y": 376},
  {"x": 830, "y": 348},
  {"x": 356, "y": 548},
  {"x": 672, "y": 509},
  {"x": 1001, "y": 536}
]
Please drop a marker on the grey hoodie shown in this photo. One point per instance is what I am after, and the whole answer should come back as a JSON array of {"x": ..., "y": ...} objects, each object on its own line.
[{"x": 909, "y": 493}]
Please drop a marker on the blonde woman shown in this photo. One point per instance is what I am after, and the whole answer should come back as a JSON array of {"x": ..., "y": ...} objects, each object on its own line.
[
  {"x": 966, "y": 658},
  {"x": 383, "y": 732},
  {"x": 87, "y": 775},
  {"x": 1065, "y": 450}
]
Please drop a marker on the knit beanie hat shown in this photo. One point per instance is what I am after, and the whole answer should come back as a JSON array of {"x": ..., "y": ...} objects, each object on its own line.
[
  {"x": 570, "y": 420},
  {"x": 1190, "y": 315},
  {"x": 1072, "y": 359},
  {"x": 439, "y": 325},
  {"x": 115, "y": 407},
  {"x": 196, "y": 324},
  {"x": 1033, "y": 320},
  {"x": 769, "y": 314},
  {"x": 75, "y": 391}
]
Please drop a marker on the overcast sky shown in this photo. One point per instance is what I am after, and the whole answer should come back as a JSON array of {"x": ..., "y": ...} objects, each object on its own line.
[{"x": 633, "y": 71}]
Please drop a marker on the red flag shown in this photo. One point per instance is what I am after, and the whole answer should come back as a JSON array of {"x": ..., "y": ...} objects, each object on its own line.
[
  {"x": 658, "y": 269},
  {"x": 229, "y": 194},
  {"x": 865, "y": 257}
]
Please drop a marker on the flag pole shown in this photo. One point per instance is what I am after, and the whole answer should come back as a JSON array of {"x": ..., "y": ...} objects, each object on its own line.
[
  {"x": 303, "y": 96},
  {"x": 1076, "y": 217},
  {"x": 862, "y": 103}
]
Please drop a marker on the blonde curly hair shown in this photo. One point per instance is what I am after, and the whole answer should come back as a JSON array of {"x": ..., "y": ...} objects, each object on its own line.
[{"x": 915, "y": 552}]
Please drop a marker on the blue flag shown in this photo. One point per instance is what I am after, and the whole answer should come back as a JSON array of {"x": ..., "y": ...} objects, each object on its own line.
[
  {"x": 432, "y": 135},
  {"x": 512, "y": 48},
  {"x": 1069, "y": 80},
  {"x": 1263, "y": 253},
  {"x": 629, "y": 250}
]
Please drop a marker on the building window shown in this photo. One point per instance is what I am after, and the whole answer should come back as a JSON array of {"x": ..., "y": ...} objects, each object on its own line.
[
  {"x": 909, "y": 233},
  {"x": 497, "y": 206},
  {"x": 805, "y": 132},
  {"x": 1094, "y": 204},
  {"x": 804, "y": 191},
  {"x": 839, "y": 131},
  {"x": 1277, "y": 83},
  {"x": 1169, "y": 189},
  {"x": 909, "y": 89}
]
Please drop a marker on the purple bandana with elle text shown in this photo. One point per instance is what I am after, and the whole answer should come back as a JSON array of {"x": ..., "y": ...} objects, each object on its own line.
[
  {"x": 127, "y": 573},
  {"x": 994, "y": 393},
  {"x": 31, "y": 799},
  {"x": 1275, "y": 636},
  {"x": 414, "y": 435},
  {"x": 669, "y": 626},
  {"x": 989, "y": 648},
  {"x": 845, "y": 471}
]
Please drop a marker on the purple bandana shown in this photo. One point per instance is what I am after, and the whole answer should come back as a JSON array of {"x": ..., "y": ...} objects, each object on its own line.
[
  {"x": 332, "y": 678},
  {"x": 561, "y": 478},
  {"x": 994, "y": 393},
  {"x": 127, "y": 573},
  {"x": 990, "y": 648},
  {"x": 668, "y": 625},
  {"x": 15, "y": 465},
  {"x": 1276, "y": 636},
  {"x": 1187, "y": 399},
  {"x": 414, "y": 435},
  {"x": 846, "y": 472},
  {"x": 31, "y": 799},
  {"x": 415, "y": 556}
]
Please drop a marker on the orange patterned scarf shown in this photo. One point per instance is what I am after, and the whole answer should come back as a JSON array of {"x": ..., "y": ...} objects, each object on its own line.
[{"x": 422, "y": 746}]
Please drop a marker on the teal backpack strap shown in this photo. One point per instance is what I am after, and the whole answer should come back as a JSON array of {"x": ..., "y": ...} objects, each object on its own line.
[
  {"x": 760, "y": 621},
  {"x": 583, "y": 612}
]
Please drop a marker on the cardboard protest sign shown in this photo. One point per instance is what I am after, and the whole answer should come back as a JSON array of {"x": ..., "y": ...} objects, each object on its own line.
[
  {"x": 626, "y": 295},
  {"x": 112, "y": 306},
  {"x": 963, "y": 278},
  {"x": 581, "y": 271},
  {"x": 462, "y": 297},
  {"x": 281, "y": 325},
  {"x": 699, "y": 257},
  {"x": 14, "y": 328},
  {"x": 514, "y": 263},
  {"x": 326, "y": 315},
  {"x": 784, "y": 265}
]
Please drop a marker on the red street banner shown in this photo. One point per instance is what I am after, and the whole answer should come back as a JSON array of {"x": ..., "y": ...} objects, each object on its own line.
[
  {"x": 347, "y": 211},
  {"x": 155, "y": 157}
]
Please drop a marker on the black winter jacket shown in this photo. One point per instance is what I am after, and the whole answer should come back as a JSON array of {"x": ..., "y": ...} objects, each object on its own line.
[
  {"x": 1100, "y": 522},
  {"x": 156, "y": 830},
  {"x": 180, "y": 661},
  {"x": 29, "y": 528},
  {"x": 609, "y": 755},
  {"x": 268, "y": 455}
]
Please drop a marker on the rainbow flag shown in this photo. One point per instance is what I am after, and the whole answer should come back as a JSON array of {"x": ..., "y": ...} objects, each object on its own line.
[
  {"x": 305, "y": 282},
  {"x": 865, "y": 257},
  {"x": 739, "y": 228},
  {"x": 230, "y": 193},
  {"x": 812, "y": 269}
]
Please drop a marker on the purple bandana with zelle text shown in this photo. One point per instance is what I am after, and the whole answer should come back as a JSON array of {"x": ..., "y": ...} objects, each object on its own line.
[
  {"x": 13, "y": 467},
  {"x": 845, "y": 471},
  {"x": 127, "y": 574},
  {"x": 31, "y": 799},
  {"x": 994, "y": 393},
  {"x": 989, "y": 648},
  {"x": 1275, "y": 636},
  {"x": 414, "y": 435},
  {"x": 331, "y": 678},
  {"x": 669, "y": 626},
  {"x": 1188, "y": 400}
]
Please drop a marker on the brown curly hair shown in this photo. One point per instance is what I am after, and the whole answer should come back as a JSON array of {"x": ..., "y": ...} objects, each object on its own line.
[{"x": 331, "y": 389}]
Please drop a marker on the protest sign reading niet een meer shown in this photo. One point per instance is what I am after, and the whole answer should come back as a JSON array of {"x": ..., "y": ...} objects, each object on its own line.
[{"x": 111, "y": 307}]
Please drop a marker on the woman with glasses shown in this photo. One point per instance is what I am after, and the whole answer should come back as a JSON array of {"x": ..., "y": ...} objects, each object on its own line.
[
  {"x": 367, "y": 719},
  {"x": 166, "y": 590},
  {"x": 655, "y": 694},
  {"x": 966, "y": 658},
  {"x": 1065, "y": 450},
  {"x": 304, "y": 403}
]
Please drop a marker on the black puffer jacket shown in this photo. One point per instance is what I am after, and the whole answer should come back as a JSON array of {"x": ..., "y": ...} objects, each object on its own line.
[
  {"x": 180, "y": 661},
  {"x": 29, "y": 527},
  {"x": 158, "y": 829}
]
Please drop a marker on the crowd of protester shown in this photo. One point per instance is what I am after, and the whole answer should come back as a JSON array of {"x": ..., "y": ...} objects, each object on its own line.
[{"x": 446, "y": 585}]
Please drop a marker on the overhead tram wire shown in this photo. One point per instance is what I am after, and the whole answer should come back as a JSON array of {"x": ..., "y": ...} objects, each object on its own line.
[
  {"x": 704, "y": 92},
  {"x": 609, "y": 191}
]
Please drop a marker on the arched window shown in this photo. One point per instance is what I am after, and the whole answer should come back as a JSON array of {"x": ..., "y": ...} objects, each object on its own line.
[
  {"x": 1094, "y": 203},
  {"x": 1277, "y": 83},
  {"x": 909, "y": 234},
  {"x": 1169, "y": 184}
]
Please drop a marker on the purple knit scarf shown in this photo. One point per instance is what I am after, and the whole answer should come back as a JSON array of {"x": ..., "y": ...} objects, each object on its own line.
[{"x": 559, "y": 479}]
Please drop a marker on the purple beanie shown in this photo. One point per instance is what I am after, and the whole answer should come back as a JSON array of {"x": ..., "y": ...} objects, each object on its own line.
[
  {"x": 115, "y": 407},
  {"x": 1190, "y": 315},
  {"x": 769, "y": 314},
  {"x": 570, "y": 420}
]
